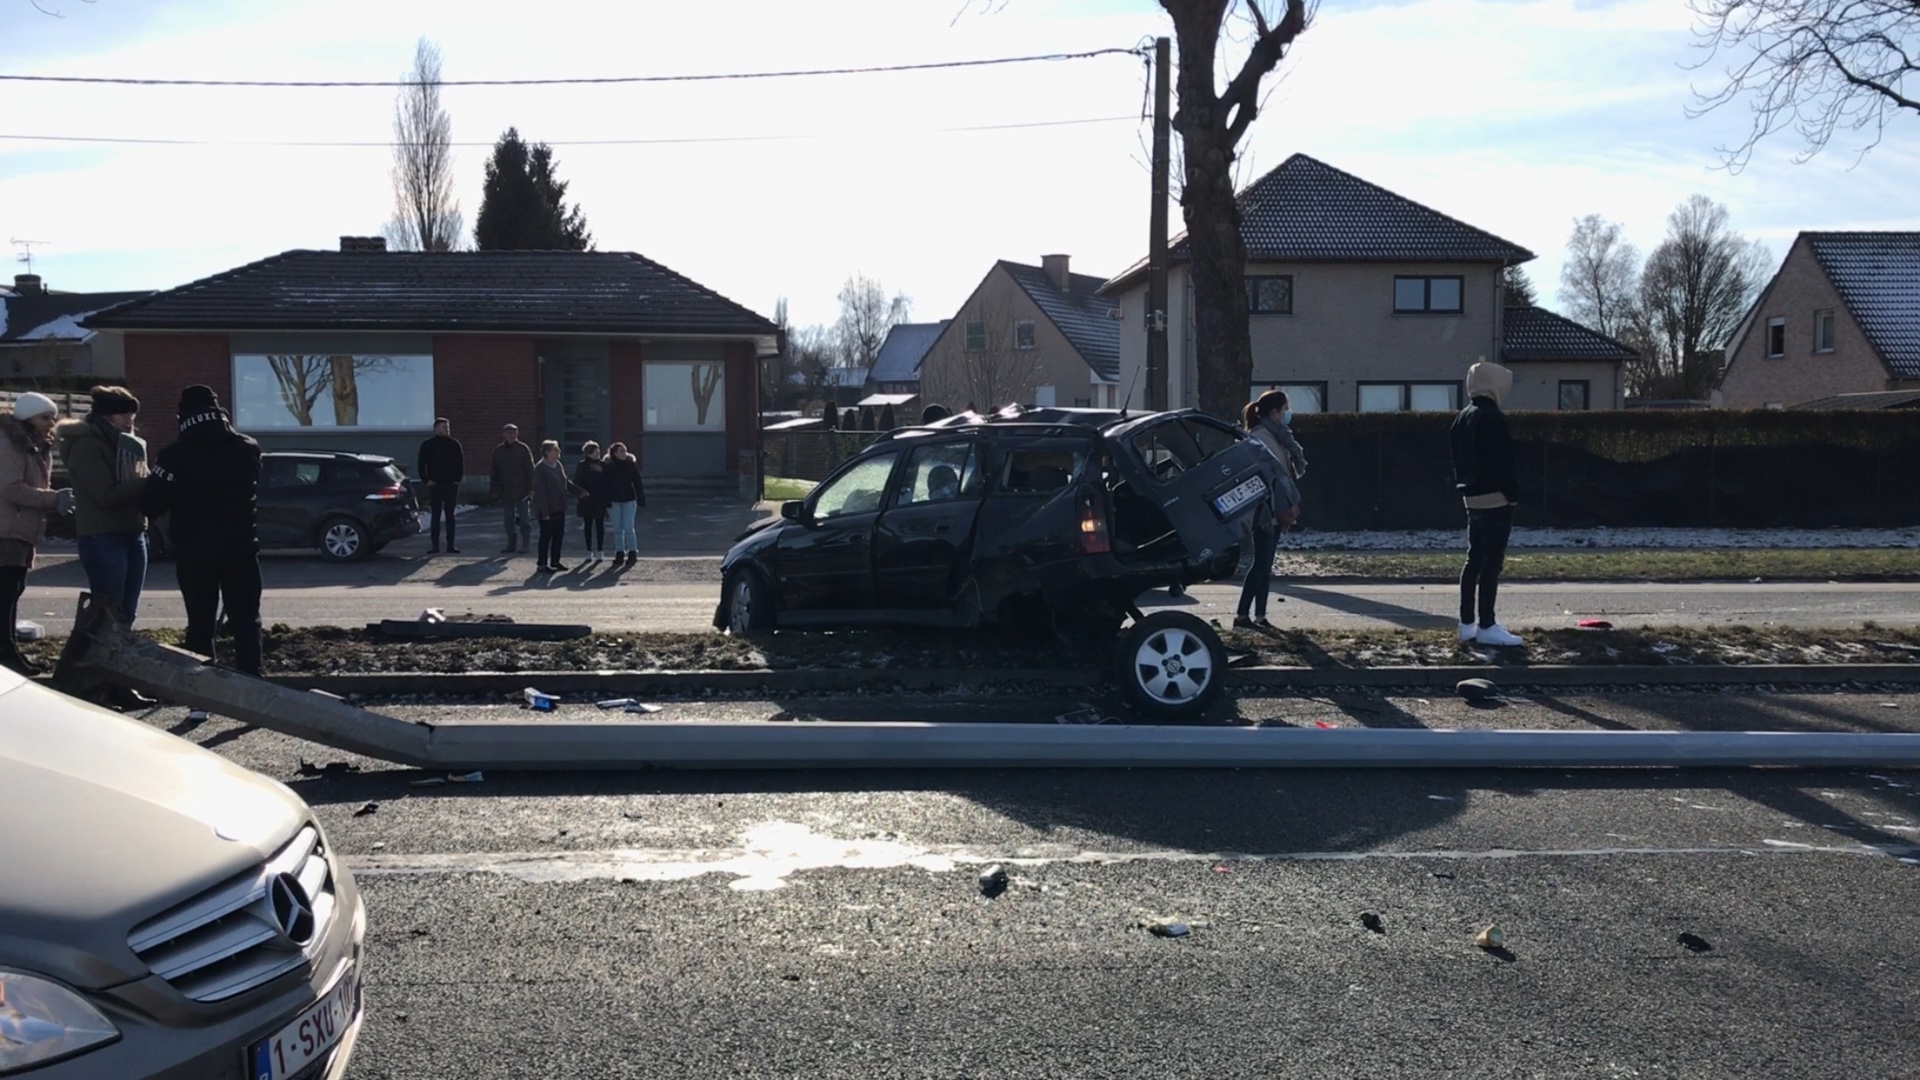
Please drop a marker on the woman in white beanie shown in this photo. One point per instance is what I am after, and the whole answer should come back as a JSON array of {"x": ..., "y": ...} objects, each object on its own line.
[{"x": 26, "y": 495}]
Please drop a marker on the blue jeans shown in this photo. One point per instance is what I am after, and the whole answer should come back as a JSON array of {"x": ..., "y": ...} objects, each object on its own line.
[
  {"x": 625, "y": 536},
  {"x": 116, "y": 566}
]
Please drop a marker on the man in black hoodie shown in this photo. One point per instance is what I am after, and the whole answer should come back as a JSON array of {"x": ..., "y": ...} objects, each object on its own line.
[
  {"x": 442, "y": 467},
  {"x": 207, "y": 483},
  {"x": 1484, "y": 474}
]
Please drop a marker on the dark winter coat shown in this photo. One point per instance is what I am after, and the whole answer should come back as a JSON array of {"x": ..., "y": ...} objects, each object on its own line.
[
  {"x": 108, "y": 469},
  {"x": 550, "y": 490},
  {"x": 441, "y": 461},
  {"x": 512, "y": 478},
  {"x": 623, "y": 481},
  {"x": 591, "y": 478},
  {"x": 1484, "y": 471},
  {"x": 207, "y": 484}
]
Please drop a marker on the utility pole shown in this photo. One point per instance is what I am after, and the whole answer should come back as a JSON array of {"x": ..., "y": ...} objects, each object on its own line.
[{"x": 1156, "y": 312}]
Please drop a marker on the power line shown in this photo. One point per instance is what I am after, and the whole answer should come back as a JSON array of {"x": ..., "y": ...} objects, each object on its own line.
[
  {"x": 140, "y": 141},
  {"x": 605, "y": 80}
]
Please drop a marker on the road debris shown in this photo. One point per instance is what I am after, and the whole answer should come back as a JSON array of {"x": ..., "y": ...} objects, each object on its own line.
[
  {"x": 993, "y": 881},
  {"x": 538, "y": 701},
  {"x": 366, "y": 808},
  {"x": 1476, "y": 689},
  {"x": 1594, "y": 624},
  {"x": 1491, "y": 938},
  {"x": 465, "y": 778},
  {"x": 1371, "y": 920},
  {"x": 616, "y": 703},
  {"x": 1168, "y": 928},
  {"x": 430, "y": 781},
  {"x": 331, "y": 768},
  {"x": 641, "y": 707},
  {"x": 1695, "y": 943}
]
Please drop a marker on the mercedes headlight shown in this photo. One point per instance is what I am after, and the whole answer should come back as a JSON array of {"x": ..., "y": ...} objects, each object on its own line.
[{"x": 42, "y": 1021}]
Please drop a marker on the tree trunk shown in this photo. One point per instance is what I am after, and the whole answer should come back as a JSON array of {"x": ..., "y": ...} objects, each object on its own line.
[{"x": 346, "y": 392}]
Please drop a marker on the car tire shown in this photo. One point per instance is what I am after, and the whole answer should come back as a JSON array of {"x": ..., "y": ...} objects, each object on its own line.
[
  {"x": 749, "y": 602},
  {"x": 1171, "y": 666},
  {"x": 1177, "y": 589},
  {"x": 343, "y": 539}
]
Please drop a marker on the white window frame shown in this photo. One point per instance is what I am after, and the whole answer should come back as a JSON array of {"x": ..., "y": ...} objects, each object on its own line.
[
  {"x": 1023, "y": 335},
  {"x": 1776, "y": 322},
  {"x": 1825, "y": 324},
  {"x": 717, "y": 406}
]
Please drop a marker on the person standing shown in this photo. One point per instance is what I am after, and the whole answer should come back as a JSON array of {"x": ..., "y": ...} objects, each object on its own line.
[
  {"x": 442, "y": 467},
  {"x": 590, "y": 476},
  {"x": 27, "y": 496},
  {"x": 512, "y": 483},
  {"x": 1267, "y": 417},
  {"x": 1485, "y": 475},
  {"x": 625, "y": 495},
  {"x": 108, "y": 466},
  {"x": 207, "y": 485},
  {"x": 550, "y": 490}
]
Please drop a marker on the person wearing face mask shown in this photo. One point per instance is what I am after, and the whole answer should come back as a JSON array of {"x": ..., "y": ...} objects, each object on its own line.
[
  {"x": 1267, "y": 417},
  {"x": 1485, "y": 474},
  {"x": 27, "y": 496}
]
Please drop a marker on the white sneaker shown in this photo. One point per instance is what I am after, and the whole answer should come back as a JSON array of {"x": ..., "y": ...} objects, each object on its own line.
[
  {"x": 1497, "y": 635},
  {"x": 1468, "y": 631}
]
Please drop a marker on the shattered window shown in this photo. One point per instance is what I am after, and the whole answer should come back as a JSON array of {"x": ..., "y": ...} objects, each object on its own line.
[
  {"x": 939, "y": 473},
  {"x": 859, "y": 490},
  {"x": 1042, "y": 470}
]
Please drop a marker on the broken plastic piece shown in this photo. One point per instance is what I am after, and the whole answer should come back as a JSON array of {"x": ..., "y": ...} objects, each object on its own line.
[
  {"x": 641, "y": 707},
  {"x": 465, "y": 778},
  {"x": 431, "y": 781},
  {"x": 616, "y": 703},
  {"x": 1595, "y": 624},
  {"x": 993, "y": 881},
  {"x": 28, "y": 630},
  {"x": 366, "y": 808},
  {"x": 538, "y": 701},
  {"x": 1491, "y": 938},
  {"x": 1168, "y": 928}
]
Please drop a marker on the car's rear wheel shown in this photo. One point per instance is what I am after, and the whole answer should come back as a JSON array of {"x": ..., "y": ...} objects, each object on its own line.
[
  {"x": 1171, "y": 665},
  {"x": 343, "y": 540},
  {"x": 749, "y": 602}
]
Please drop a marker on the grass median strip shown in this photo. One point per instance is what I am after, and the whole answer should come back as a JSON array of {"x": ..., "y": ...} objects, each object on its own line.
[
  {"x": 331, "y": 650},
  {"x": 1815, "y": 564}
]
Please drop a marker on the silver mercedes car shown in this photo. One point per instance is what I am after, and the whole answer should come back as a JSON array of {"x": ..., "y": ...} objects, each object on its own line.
[{"x": 164, "y": 913}]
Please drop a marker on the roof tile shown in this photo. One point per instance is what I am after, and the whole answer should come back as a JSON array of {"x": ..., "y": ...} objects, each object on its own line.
[
  {"x": 1531, "y": 333},
  {"x": 1083, "y": 316},
  {"x": 1878, "y": 277},
  {"x": 900, "y": 354}
]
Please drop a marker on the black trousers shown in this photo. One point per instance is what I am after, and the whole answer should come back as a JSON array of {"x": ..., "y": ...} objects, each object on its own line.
[
  {"x": 1259, "y": 580},
  {"x": 593, "y": 530},
  {"x": 552, "y": 531},
  {"x": 13, "y": 582},
  {"x": 1487, "y": 532},
  {"x": 441, "y": 499},
  {"x": 233, "y": 583}
]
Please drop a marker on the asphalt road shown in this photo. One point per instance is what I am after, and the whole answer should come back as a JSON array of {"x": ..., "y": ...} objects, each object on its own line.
[
  {"x": 680, "y": 594},
  {"x": 1658, "y": 923}
]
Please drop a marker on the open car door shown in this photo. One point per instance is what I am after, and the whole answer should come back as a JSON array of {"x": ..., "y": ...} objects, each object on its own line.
[{"x": 1206, "y": 476}]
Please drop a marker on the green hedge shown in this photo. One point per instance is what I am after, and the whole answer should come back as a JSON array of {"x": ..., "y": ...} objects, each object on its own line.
[{"x": 1647, "y": 436}]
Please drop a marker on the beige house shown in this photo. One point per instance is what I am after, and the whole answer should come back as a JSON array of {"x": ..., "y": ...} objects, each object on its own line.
[
  {"x": 1029, "y": 335},
  {"x": 1362, "y": 300},
  {"x": 42, "y": 341},
  {"x": 1839, "y": 323}
]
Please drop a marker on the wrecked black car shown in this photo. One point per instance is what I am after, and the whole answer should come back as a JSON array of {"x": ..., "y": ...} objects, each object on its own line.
[{"x": 1042, "y": 516}]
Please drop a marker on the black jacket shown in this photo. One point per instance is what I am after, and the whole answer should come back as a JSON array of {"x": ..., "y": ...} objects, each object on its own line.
[
  {"x": 441, "y": 461},
  {"x": 591, "y": 477},
  {"x": 206, "y": 483},
  {"x": 623, "y": 481},
  {"x": 1483, "y": 451}
]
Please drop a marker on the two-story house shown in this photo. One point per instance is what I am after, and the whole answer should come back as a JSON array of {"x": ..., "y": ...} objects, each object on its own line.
[
  {"x": 1839, "y": 320},
  {"x": 1031, "y": 335},
  {"x": 1363, "y": 300}
]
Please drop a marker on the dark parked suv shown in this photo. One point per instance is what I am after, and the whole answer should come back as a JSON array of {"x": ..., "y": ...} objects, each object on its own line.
[
  {"x": 1064, "y": 515},
  {"x": 346, "y": 505}
]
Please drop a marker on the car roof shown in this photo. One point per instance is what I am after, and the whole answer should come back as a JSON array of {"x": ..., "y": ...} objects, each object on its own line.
[{"x": 328, "y": 455}]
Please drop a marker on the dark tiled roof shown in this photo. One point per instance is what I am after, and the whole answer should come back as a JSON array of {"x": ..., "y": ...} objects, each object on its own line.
[
  {"x": 1531, "y": 333},
  {"x": 905, "y": 347},
  {"x": 1083, "y": 316},
  {"x": 1879, "y": 399},
  {"x": 1308, "y": 211},
  {"x": 519, "y": 291},
  {"x": 1878, "y": 277},
  {"x": 23, "y": 313}
]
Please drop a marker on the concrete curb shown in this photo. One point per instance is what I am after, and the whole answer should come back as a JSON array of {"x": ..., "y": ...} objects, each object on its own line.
[{"x": 608, "y": 684}]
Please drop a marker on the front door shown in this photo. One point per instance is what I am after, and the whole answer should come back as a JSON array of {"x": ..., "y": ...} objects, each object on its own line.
[
  {"x": 579, "y": 404},
  {"x": 825, "y": 562},
  {"x": 927, "y": 530}
]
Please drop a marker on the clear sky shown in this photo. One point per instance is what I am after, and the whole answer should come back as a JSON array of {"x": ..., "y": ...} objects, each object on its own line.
[{"x": 1513, "y": 115}]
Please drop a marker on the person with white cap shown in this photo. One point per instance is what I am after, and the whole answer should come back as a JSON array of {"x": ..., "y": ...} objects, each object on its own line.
[
  {"x": 27, "y": 496},
  {"x": 1487, "y": 478}
]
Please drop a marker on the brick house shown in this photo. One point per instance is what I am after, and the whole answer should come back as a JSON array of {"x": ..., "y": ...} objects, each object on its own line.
[
  {"x": 1032, "y": 335},
  {"x": 1841, "y": 317},
  {"x": 1363, "y": 300},
  {"x": 359, "y": 349}
]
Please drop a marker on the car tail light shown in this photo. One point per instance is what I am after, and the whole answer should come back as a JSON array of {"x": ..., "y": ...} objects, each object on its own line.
[
  {"x": 1093, "y": 526},
  {"x": 387, "y": 494}
]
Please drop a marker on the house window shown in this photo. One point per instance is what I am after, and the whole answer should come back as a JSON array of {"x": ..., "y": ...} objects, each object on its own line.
[
  {"x": 1301, "y": 397},
  {"x": 1022, "y": 334},
  {"x": 1270, "y": 295},
  {"x": 1777, "y": 336},
  {"x": 1409, "y": 397},
  {"x": 1575, "y": 395},
  {"x": 1428, "y": 295},
  {"x": 1043, "y": 396},
  {"x": 283, "y": 391},
  {"x": 976, "y": 336},
  {"x": 1083, "y": 403},
  {"x": 1823, "y": 331},
  {"x": 685, "y": 397}
]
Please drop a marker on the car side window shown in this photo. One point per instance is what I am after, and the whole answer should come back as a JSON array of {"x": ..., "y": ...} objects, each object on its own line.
[
  {"x": 289, "y": 473},
  {"x": 1040, "y": 471},
  {"x": 940, "y": 473},
  {"x": 1167, "y": 450},
  {"x": 859, "y": 490},
  {"x": 347, "y": 474}
]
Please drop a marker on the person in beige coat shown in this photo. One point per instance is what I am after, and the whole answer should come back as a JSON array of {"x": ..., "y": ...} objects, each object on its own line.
[{"x": 27, "y": 496}]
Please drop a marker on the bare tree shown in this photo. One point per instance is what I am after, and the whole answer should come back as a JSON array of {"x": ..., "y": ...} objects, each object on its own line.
[
  {"x": 1817, "y": 66},
  {"x": 705, "y": 379},
  {"x": 301, "y": 380},
  {"x": 992, "y": 365},
  {"x": 426, "y": 216},
  {"x": 1600, "y": 281},
  {"x": 866, "y": 314},
  {"x": 1211, "y": 121},
  {"x": 1695, "y": 289}
]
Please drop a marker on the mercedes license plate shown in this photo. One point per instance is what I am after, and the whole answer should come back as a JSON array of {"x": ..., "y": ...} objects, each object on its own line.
[
  {"x": 1247, "y": 491},
  {"x": 306, "y": 1038}
]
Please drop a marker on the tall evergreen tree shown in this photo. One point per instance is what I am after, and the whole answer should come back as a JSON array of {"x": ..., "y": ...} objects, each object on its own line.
[{"x": 523, "y": 205}]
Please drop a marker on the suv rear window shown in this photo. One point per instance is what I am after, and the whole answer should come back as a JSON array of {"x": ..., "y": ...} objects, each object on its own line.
[
  {"x": 1178, "y": 445},
  {"x": 1041, "y": 471}
]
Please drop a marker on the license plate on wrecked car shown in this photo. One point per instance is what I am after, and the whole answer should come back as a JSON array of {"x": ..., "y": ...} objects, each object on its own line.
[
  {"x": 1244, "y": 493},
  {"x": 306, "y": 1039}
]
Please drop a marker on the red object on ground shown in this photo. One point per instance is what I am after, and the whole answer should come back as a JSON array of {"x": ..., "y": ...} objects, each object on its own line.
[
  {"x": 1324, "y": 724},
  {"x": 1595, "y": 624}
]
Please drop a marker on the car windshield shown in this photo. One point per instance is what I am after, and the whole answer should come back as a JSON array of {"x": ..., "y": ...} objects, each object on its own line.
[{"x": 859, "y": 490}]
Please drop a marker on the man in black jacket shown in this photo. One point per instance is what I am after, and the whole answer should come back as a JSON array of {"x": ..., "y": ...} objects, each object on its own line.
[
  {"x": 442, "y": 467},
  {"x": 207, "y": 483},
  {"x": 1485, "y": 475}
]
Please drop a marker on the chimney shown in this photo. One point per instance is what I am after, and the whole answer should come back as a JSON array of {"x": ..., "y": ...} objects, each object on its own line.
[
  {"x": 363, "y": 243},
  {"x": 27, "y": 284},
  {"x": 1056, "y": 268}
]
